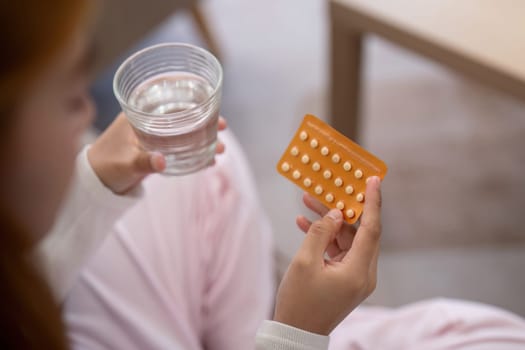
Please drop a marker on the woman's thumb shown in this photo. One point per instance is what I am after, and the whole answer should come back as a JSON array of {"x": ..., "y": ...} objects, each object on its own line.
[
  {"x": 147, "y": 163},
  {"x": 322, "y": 232}
]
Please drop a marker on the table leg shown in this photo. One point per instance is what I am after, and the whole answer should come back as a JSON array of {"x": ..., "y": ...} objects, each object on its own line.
[
  {"x": 346, "y": 50},
  {"x": 205, "y": 31}
]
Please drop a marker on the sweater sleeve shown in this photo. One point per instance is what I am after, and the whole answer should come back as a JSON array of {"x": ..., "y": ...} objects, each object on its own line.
[
  {"x": 278, "y": 336},
  {"x": 85, "y": 219}
]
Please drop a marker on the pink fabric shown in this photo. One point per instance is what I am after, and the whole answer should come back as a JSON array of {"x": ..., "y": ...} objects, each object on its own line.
[
  {"x": 189, "y": 267},
  {"x": 437, "y": 324}
]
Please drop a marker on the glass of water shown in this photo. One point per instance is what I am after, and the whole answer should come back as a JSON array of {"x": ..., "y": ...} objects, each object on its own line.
[{"x": 171, "y": 96}]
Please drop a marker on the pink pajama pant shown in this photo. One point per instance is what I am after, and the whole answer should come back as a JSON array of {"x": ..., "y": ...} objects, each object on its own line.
[
  {"x": 190, "y": 267},
  {"x": 436, "y": 324}
]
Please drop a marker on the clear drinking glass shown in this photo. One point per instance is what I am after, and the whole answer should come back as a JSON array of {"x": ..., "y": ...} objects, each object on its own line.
[{"x": 171, "y": 96}]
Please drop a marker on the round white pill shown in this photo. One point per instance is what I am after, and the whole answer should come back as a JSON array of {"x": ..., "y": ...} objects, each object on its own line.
[
  {"x": 336, "y": 158},
  {"x": 318, "y": 189},
  {"x": 329, "y": 198},
  {"x": 307, "y": 182},
  {"x": 294, "y": 151},
  {"x": 314, "y": 143},
  {"x": 338, "y": 182},
  {"x": 350, "y": 213},
  {"x": 296, "y": 174},
  {"x": 316, "y": 166},
  {"x": 340, "y": 205},
  {"x": 305, "y": 159},
  {"x": 358, "y": 174},
  {"x": 303, "y": 135},
  {"x": 327, "y": 174},
  {"x": 349, "y": 189},
  {"x": 347, "y": 166},
  {"x": 360, "y": 197},
  {"x": 285, "y": 166},
  {"x": 325, "y": 151}
]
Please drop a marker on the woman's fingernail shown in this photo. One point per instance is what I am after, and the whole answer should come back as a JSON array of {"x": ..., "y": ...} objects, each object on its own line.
[
  {"x": 335, "y": 214},
  {"x": 375, "y": 180},
  {"x": 158, "y": 161}
]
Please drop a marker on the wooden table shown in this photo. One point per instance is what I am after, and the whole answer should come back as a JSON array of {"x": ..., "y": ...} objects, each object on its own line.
[{"x": 483, "y": 39}]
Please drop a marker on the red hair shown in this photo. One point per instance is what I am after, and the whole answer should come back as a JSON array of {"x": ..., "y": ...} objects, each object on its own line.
[{"x": 32, "y": 34}]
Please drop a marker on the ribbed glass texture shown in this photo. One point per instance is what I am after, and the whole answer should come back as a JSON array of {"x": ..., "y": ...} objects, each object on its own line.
[{"x": 171, "y": 95}]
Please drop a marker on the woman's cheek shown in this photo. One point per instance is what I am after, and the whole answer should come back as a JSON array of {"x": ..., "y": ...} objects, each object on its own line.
[
  {"x": 78, "y": 120},
  {"x": 83, "y": 116}
]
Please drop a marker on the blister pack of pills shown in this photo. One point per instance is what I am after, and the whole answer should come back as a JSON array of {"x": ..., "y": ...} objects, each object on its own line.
[{"x": 329, "y": 166}]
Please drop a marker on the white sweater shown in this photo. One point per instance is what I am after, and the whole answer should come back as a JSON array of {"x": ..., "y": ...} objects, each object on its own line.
[{"x": 77, "y": 235}]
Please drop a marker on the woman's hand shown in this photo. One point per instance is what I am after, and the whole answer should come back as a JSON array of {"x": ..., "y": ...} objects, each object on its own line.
[
  {"x": 120, "y": 162},
  {"x": 343, "y": 238},
  {"x": 317, "y": 294}
]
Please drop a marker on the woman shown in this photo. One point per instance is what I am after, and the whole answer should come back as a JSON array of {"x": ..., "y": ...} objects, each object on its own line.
[{"x": 45, "y": 108}]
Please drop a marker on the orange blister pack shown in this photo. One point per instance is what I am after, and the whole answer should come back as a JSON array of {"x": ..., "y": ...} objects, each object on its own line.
[{"x": 330, "y": 167}]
